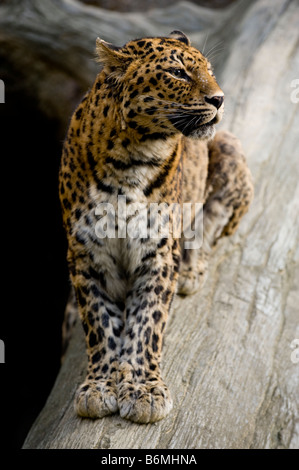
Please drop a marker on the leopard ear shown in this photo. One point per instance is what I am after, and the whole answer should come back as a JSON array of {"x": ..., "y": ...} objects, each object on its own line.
[
  {"x": 111, "y": 56},
  {"x": 181, "y": 37}
]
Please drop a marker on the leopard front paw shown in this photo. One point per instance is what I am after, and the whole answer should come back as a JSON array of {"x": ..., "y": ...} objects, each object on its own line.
[
  {"x": 190, "y": 282},
  {"x": 145, "y": 401},
  {"x": 96, "y": 399}
]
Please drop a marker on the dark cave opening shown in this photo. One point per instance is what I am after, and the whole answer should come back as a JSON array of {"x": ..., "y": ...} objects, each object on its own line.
[{"x": 36, "y": 278}]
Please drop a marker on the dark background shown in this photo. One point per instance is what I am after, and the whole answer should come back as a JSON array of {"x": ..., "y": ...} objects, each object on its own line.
[{"x": 35, "y": 279}]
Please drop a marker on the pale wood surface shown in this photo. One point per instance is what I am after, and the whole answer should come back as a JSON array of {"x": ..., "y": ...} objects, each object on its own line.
[{"x": 227, "y": 353}]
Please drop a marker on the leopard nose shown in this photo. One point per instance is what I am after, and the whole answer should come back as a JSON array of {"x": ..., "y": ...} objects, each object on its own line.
[{"x": 215, "y": 100}]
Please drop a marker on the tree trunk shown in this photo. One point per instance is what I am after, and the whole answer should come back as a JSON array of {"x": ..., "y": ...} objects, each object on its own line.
[{"x": 228, "y": 357}]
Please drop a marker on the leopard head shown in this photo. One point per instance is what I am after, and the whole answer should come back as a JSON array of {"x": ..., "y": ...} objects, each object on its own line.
[{"x": 163, "y": 86}]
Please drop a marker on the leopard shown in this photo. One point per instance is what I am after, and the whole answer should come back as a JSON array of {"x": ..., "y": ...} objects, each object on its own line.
[{"x": 143, "y": 135}]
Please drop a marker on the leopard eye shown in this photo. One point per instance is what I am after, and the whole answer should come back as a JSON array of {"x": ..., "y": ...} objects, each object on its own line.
[{"x": 179, "y": 73}]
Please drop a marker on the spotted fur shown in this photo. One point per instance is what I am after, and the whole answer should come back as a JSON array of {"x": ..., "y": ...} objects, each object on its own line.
[{"x": 144, "y": 131}]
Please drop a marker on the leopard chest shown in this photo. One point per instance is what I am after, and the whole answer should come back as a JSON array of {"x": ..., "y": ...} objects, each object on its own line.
[{"x": 119, "y": 230}]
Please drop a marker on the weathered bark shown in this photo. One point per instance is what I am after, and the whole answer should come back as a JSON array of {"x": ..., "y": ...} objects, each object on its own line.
[
  {"x": 139, "y": 5},
  {"x": 227, "y": 354}
]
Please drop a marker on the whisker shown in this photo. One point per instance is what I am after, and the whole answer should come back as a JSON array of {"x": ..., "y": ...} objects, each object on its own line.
[
  {"x": 173, "y": 103},
  {"x": 179, "y": 113},
  {"x": 215, "y": 54},
  {"x": 220, "y": 43},
  {"x": 203, "y": 49},
  {"x": 189, "y": 123}
]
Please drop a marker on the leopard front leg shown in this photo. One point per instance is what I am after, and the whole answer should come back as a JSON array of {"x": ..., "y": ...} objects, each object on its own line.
[
  {"x": 143, "y": 396},
  {"x": 102, "y": 320},
  {"x": 229, "y": 194}
]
